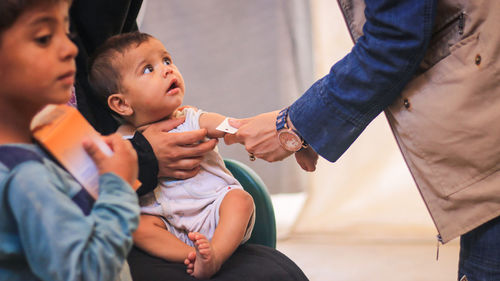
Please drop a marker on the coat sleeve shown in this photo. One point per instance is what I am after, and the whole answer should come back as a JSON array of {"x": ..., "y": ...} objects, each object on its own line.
[
  {"x": 337, "y": 108},
  {"x": 148, "y": 164}
]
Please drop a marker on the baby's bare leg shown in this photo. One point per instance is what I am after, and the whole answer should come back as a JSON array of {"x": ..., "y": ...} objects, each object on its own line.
[
  {"x": 152, "y": 237},
  {"x": 234, "y": 214}
]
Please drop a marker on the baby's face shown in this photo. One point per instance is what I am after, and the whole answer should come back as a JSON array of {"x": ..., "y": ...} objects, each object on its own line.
[{"x": 151, "y": 82}]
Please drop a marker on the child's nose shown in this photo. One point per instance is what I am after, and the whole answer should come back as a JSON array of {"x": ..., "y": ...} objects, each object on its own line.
[
  {"x": 167, "y": 70},
  {"x": 69, "y": 49}
]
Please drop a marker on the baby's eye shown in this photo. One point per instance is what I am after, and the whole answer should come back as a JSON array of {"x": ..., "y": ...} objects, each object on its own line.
[
  {"x": 147, "y": 69},
  {"x": 43, "y": 40},
  {"x": 167, "y": 61}
]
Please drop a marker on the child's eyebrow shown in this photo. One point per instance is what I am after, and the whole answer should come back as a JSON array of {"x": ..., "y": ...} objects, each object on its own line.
[
  {"x": 139, "y": 65},
  {"x": 42, "y": 20},
  {"x": 47, "y": 20}
]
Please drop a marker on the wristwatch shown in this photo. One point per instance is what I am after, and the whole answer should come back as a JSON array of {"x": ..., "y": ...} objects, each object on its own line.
[{"x": 289, "y": 138}]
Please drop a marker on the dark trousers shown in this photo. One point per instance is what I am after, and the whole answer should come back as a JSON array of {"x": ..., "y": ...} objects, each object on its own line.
[
  {"x": 480, "y": 253},
  {"x": 250, "y": 262}
]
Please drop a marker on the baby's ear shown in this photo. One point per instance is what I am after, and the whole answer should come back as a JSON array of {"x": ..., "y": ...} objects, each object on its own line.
[{"x": 119, "y": 104}]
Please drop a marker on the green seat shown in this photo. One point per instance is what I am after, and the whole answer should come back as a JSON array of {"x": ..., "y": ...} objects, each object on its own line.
[{"x": 264, "y": 231}]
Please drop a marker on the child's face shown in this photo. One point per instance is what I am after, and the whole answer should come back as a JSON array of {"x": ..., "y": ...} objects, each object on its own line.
[
  {"x": 37, "y": 65},
  {"x": 151, "y": 82}
]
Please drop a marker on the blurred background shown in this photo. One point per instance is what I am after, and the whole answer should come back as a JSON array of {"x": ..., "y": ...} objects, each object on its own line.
[{"x": 361, "y": 217}]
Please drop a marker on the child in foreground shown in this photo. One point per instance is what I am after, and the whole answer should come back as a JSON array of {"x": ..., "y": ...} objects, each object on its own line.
[
  {"x": 199, "y": 221},
  {"x": 44, "y": 235}
]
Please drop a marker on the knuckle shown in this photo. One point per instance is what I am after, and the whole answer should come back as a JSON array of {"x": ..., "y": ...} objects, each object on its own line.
[{"x": 172, "y": 154}]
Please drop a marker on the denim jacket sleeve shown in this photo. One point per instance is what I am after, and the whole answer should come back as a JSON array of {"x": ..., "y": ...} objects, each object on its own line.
[
  {"x": 337, "y": 108},
  {"x": 59, "y": 241}
]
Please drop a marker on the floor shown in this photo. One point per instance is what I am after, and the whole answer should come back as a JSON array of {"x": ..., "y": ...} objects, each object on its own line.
[
  {"x": 333, "y": 258},
  {"x": 328, "y": 257}
]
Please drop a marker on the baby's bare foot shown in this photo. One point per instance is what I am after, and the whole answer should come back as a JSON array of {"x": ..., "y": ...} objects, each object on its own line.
[
  {"x": 205, "y": 264},
  {"x": 189, "y": 262}
]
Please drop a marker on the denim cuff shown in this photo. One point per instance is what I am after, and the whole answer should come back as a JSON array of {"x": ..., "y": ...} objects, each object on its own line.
[{"x": 321, "y": 123}]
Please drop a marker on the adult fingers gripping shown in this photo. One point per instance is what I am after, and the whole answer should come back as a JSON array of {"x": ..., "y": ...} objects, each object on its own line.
[
  {"x": 164, "y": 126},
  {"x": 190, "y": 138},
  {"x": 186, "y": 163},
  {"x": 239, "y": 136},
  {"x": 181, "y": 157}
]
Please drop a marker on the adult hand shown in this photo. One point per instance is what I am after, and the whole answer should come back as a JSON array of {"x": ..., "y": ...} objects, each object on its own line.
[
  {"x": 179, "y": 154},
  {"x": 123, "y": 161},
  {"x": 258, "y": 135},
  {"x": 307, "y": 159}
]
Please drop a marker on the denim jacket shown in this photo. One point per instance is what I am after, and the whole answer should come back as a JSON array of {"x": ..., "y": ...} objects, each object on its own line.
[
  {"x": 44, "y": 235},
  {"x": 434, "y": 67},
  {"x": 361, "y": 85}
]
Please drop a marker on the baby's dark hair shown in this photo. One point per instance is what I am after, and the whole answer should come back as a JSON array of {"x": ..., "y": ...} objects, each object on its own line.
[
  {"x": 104, "y": 74},
  {"x": 12, "y": 9}
]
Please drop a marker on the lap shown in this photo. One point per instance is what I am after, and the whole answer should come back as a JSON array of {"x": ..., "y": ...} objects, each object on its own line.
[{"x": 249, "y": 262}]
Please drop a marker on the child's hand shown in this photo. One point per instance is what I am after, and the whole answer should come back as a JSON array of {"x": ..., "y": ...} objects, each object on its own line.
[
  {"x": 307, "y": 159},
  {"x": 123, "y": 162}
]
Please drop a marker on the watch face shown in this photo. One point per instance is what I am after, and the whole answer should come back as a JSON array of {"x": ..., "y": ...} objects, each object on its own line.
[{"x": 289, "y": 140}]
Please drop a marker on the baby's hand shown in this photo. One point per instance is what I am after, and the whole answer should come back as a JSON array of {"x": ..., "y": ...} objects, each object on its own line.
[
  {"x": 123, "y": 162},
  {"x": 307, "y": 159}
]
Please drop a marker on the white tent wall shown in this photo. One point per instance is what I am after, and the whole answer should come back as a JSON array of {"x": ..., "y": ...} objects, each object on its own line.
[
  {"x": 368, "y": 193},
  {"x": 239, "y": 58}
]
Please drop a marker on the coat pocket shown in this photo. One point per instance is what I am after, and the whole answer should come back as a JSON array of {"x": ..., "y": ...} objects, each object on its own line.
[
  {"x": 446, "y": 130},
  {"x": 446, "y": 35}
]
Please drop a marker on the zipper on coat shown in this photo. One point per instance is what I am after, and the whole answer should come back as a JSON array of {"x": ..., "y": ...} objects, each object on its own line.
[
  {"x": 439, "y": 240},
  {"x": 461, "y": 23}
]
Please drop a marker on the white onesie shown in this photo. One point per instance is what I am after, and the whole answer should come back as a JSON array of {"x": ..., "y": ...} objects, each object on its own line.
[{"x": 192, "y": 205}]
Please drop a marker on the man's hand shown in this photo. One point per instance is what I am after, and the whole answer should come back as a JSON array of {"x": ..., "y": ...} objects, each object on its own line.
[
  {"x": 123, "y": 161},
  {"x": 179, "y": 154},
  {"x": 307, "y": 159},
  {"x": 258, "y": 135}
]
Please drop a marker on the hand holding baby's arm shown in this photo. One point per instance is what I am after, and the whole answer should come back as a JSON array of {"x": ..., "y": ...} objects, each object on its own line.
[
  {"x": 179, "y": 154},
  {"x": 123, "y": 161}
]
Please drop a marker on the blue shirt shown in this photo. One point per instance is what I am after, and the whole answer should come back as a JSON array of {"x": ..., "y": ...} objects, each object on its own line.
[
  {"x": 44, "y": 235},
  {"x": 338, "y": 107}
]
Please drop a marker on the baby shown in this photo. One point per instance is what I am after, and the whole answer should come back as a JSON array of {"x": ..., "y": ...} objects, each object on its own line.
[{"x": 201, "y": 220}]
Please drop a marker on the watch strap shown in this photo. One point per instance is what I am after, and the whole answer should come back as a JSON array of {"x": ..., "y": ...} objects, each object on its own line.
[
  {"x": 281, "y": 123},
  {"x": 281, "y": 119}
]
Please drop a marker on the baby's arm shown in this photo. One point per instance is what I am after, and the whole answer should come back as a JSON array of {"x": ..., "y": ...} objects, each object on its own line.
[{"x": 210, "y": 121}]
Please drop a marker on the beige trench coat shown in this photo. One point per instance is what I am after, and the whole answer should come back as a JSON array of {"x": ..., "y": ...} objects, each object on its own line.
[{"x": 447, "y": 120}]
